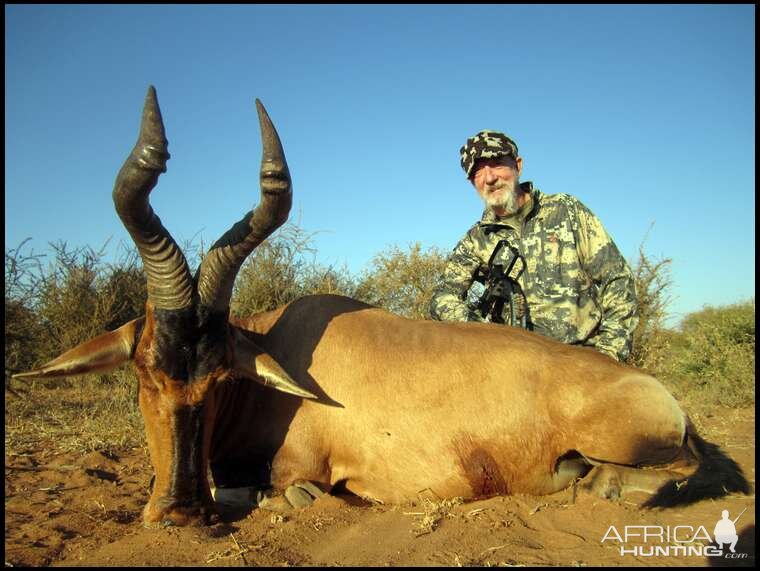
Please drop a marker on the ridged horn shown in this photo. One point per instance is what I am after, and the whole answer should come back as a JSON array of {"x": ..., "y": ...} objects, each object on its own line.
[
  {"x": 170, "y": 284},
  {"x": 217, "y": 272}
]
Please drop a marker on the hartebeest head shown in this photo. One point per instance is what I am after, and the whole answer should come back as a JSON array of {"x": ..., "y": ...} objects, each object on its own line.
[{"x": 184, "y": 345}]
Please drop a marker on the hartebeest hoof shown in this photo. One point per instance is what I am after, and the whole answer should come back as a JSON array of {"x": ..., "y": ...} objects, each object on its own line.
[
  {"x": 235, "y": 497},
  {"x": 300, "y": 494},
  {"x": 277, "y": 503}
]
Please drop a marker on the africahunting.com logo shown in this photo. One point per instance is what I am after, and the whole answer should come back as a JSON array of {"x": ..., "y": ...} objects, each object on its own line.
[{"x": 679, "y": 540}]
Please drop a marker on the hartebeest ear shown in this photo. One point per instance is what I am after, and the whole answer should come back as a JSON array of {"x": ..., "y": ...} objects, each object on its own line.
[
  {"x": 253, "y": 362},
  {"x": 98, "y": 355}
]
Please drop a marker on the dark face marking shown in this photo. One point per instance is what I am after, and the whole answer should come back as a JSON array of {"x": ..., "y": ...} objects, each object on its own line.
[
  {"x": 189, "y": 343},
  {"x": 188, "y": 473}
]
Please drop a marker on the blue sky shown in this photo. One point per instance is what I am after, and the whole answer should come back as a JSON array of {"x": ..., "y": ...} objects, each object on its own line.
[{"x": 645, "y": 113}]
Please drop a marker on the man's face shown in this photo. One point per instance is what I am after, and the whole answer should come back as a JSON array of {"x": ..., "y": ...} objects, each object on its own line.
[{"x": 497, "y": 181}]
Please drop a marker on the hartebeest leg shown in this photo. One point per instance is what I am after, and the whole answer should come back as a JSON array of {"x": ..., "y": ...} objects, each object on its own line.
[
  {"x": 567, "y": 471},
  {"x": 639, "y": 451},
  {"x": 612, "y": 482},
  {"x": 649, "y": 432}
]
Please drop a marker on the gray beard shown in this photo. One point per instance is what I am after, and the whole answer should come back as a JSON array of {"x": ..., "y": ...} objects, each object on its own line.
[{"x": 509, "y": 202}]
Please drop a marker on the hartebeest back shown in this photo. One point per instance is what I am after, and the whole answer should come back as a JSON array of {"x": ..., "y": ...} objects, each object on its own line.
[{"x": 393, "y": 406}]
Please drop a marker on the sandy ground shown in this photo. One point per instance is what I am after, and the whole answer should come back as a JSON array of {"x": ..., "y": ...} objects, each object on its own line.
[{"x": 71, "y": 509}]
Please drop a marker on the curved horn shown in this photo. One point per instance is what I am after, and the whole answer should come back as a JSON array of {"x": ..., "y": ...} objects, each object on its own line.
[
  {"x": 217, "y": 272},
  {"x": 170, "y": 284},
  {"x": 101, "y": 354}
]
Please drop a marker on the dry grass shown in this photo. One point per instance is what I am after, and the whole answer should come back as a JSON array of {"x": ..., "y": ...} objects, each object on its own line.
[
  {"x": 84, "y": 414},
  {"x": 429, "y": 514}
]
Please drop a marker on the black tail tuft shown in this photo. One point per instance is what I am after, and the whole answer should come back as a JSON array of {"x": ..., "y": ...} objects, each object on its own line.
[{"x": 717, "y": 476}]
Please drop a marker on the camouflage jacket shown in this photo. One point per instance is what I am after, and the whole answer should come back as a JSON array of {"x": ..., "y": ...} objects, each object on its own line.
[{"x": 577, "y": 286}]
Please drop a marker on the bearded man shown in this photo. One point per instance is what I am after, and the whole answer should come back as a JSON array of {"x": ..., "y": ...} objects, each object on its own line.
[{"x": 547, "y": 262}]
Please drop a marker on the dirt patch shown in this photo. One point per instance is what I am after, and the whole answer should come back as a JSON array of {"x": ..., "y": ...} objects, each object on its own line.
[{"x": 86, "y": 509}]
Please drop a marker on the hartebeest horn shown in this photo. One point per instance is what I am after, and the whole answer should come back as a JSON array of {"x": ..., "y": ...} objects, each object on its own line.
[
  {"x": 216, "y": 274},
  {"x": 101, "y": 354},
  {"x": 170, "y": 285}
]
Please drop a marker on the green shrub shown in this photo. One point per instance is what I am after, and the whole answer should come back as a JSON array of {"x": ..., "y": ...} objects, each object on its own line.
[
  {"x": 712, "y": 356},
  {"x": 23, "y": 328},
  {"x": 650, "y": 338},
  {"x": 402, "y": 281},
  {"x": 282, "y": 269},
  {"x": 77, "y": 296}
]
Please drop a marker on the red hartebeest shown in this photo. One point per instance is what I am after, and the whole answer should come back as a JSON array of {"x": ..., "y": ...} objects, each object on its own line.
[{"x": 379, "y": 405}]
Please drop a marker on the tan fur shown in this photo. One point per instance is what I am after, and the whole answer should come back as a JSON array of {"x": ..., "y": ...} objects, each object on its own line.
[
  {"x": 404, "y": 407},
  {"x": 462, "y": 409}
]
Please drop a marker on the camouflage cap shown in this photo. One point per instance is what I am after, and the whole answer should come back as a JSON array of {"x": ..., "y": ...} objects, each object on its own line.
[{"x": 485, "y": 145}]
